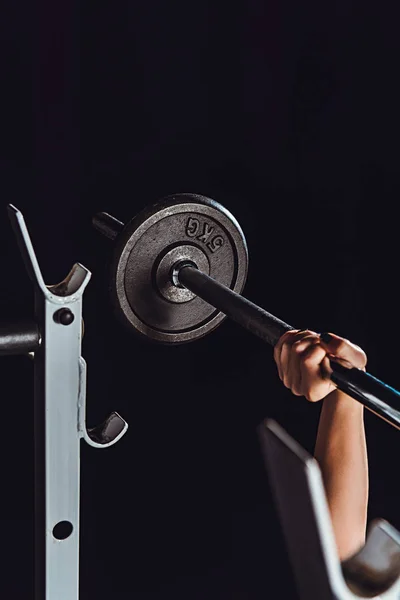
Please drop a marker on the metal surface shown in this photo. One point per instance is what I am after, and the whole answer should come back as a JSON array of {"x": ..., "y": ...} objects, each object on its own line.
[
  {"x": 375, "y": 395},
  {"x": 300, "y": 499},
  {"x": 179, "y": 268},
  {"x": 247, "y": 314},
  {"x": 60, "y": 409},
  {"x": 164, "y": 272},
  {"x": 107, "y": 225},
  {"x": 182, "y": 220},
  {"x": 380, "y": 398},
  {"x": 21, "y": 337}
]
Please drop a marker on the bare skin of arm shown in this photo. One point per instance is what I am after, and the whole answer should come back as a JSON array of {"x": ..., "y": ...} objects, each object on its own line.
[{"x": 302, "y": 358}]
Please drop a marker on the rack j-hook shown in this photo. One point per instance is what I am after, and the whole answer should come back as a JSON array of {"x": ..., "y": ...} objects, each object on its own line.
[{"x": 54, "y": 340}]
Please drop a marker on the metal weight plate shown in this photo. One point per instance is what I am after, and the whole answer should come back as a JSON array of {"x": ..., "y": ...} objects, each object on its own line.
[{"x": 178, "y": 228}]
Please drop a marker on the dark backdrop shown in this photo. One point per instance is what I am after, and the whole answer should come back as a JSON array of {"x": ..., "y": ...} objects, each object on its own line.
[{"x": 286, "y": 113}]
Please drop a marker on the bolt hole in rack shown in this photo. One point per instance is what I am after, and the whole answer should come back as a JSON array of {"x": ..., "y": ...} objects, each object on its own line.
[{"x": 53, "y": 339}]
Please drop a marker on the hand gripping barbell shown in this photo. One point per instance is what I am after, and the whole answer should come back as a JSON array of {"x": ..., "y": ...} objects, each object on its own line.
[{"x": 178, "y": 269}]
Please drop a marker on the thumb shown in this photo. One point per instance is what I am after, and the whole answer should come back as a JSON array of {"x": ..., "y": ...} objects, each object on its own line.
[{"x": 343, "y": 349}]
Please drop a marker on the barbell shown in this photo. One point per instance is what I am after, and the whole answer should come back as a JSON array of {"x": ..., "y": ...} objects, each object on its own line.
[{"x": 178, "y": 269}]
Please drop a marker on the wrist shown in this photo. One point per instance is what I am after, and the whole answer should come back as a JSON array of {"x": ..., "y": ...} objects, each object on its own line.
[{"x": 338, "y": 400}]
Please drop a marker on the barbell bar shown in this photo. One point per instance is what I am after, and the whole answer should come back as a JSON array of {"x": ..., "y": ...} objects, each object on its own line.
[{"x": 178, "y": 269}]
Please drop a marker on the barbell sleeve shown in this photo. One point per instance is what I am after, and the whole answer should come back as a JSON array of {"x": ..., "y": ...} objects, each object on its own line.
[
  {"x": 19, "y": 337},
  {"x": 373, "y": 393},
  {"x": 108, "y": 225}
]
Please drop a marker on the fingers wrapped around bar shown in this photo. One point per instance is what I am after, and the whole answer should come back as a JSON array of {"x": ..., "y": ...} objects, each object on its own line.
[{"x": 303, "y": 361}]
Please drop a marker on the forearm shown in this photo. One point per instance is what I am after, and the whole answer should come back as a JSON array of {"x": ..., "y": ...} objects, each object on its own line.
[{"x": 341, "y": 452}]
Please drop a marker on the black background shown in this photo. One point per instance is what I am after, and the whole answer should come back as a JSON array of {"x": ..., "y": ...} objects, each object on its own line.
[{"x": 286, "y": 113}]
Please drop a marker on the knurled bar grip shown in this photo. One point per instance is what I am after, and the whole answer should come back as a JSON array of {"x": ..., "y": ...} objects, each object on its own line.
[
  {"x": 374, "y": 394},
  {"x": 247, "y": 314}
]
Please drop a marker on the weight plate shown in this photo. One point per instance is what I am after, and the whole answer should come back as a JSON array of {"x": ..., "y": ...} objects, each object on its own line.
[{"x": 182, "y": 227}]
